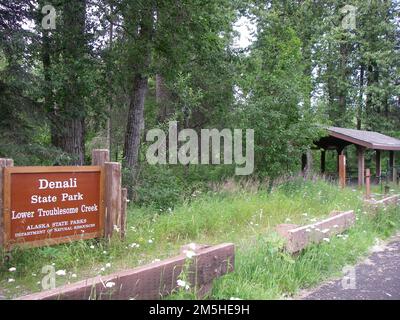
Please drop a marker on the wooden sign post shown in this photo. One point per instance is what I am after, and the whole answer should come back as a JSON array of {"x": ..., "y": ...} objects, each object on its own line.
[
  {"x": 113, "y": 194},
  {"x": 4, "y": 163}
]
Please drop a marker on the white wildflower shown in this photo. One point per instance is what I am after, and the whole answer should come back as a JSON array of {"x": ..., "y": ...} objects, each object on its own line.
[
  {"x": 108, "y": 265},
  {"x": 12, "y": 269},
  {"x": 182, "y": 284},
  {"x": 11, "y": 280},
  {"x": 61, "y": 272},
  {"x": 190, "y": 254},
  {"x": 110, "y": 284},
  {"x": 326, "y": 239}
]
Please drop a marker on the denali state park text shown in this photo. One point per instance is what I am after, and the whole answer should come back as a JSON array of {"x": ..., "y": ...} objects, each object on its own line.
[{"x": 65, "y": 197}]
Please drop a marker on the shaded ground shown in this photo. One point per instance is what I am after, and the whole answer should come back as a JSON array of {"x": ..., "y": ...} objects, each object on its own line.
[{"x": 376, "y": 278}]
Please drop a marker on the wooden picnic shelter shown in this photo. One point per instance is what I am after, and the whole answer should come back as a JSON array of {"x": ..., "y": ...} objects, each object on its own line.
[{"x": 339, "y": 138}]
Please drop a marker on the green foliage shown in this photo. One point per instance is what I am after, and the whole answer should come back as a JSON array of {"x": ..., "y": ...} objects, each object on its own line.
[
  {"x": 278, "y": 106},
  {"x": 302, "y": 71},
  {"x": 158, "y": 186}
]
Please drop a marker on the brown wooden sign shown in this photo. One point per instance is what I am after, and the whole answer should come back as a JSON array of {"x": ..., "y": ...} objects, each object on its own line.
[{"x": 50, "y": 205}]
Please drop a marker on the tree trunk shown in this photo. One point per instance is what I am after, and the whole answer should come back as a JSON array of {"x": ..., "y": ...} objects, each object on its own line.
[
  {"x": 110, "y": 94},
  {"x": 135, "y": 120},
  {"x": 360, "y": 99},
  {"x": 47, "y": 55},
  {"x": 344, "y": 75},
  {"x": 48, "y": 89},
  {"x": 140, "y": 69},
  {"x": 72, "y": 140},
  {"x": 72, "y": 116},
  {"x": 163, "y": 99}
]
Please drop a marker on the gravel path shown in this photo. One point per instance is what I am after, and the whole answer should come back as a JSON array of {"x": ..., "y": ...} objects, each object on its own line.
[{"x": 376, "y": 278}]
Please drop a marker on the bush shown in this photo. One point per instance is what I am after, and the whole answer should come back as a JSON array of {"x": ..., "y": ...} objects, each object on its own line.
[{"x": 157, "y": 186}]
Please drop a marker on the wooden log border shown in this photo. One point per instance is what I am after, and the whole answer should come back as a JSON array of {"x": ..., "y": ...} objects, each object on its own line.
[
  {"x": 392, "y": 200},
  {"x": 152, "y": 281},
  {"x": 297, "y": 238}
]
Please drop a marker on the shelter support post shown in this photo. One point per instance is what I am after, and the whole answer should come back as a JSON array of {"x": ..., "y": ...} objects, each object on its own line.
[
  {"x": 306, "y": 163},
  {"x": 392, "y": 169},
  {"x": 323, "y": 161},
  {"x": 342, "y": 170},
  {"x": 339, "y": 151},
  {"x": 303, "y": 162},
  {"x": 361, "y": 165},
  {"x": 378, "y": 165}
]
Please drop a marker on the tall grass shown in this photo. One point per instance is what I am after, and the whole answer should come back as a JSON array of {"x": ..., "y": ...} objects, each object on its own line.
[
  {"x": 244, "y": 216},
  {"x": 263, "y": 271}
]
